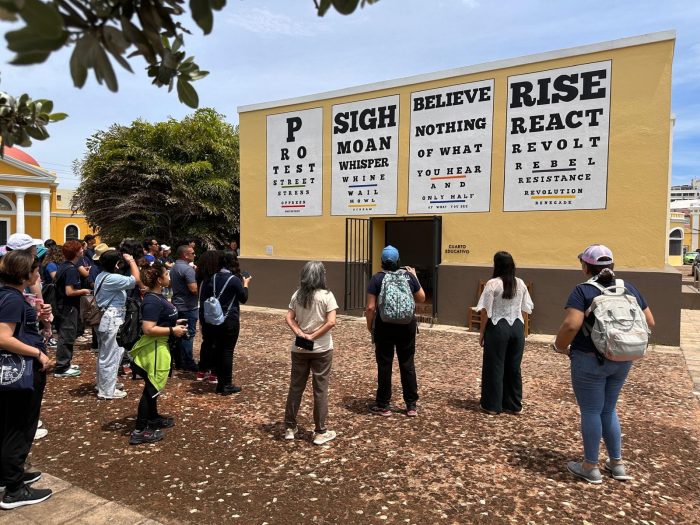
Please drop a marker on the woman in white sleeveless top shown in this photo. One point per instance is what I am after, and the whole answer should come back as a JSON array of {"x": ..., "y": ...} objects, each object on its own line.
[{"x": 502, "y": 303}]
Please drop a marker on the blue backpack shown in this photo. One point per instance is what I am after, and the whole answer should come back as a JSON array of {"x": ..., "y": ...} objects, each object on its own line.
[
  {"x": 395, "y": 301},
  {"x": 213, "y": 313}
]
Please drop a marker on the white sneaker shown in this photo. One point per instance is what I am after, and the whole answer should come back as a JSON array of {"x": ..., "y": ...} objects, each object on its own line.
[
  {"x": 40, "y": 424},
  {"x": 75, "y": 367},
  {"x": 290, "y": 433},
  {"x": 118, "y": 394},
  {"x": 117, "y": 386},
  {"x": 71, "y": 372},
  {"x": 320, "y": 439},
  {"x": 40, "y": 433}
]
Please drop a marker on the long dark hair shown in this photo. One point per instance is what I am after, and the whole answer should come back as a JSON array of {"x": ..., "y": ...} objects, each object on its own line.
[
  {"x": 208, "y": 264},
  {"x": 230, "y": 262},
  {"x": 504, "y": 267}
]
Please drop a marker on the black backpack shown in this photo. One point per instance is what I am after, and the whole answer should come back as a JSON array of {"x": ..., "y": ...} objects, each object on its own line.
[
  {"x": 130, "y": 331},
  {"x": 49, "y": 293}
]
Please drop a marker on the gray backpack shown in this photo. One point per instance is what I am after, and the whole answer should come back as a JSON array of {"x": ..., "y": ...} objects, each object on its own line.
[
  {"x": 620, "y": 331},
  {"x": 213, "y": 313}
]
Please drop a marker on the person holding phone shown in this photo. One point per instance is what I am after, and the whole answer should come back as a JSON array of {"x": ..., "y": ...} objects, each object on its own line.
[
  {"x": 151, "y": 353},
  {"x": 311, "y": 316},
  {"x": 231, "y": 289}
]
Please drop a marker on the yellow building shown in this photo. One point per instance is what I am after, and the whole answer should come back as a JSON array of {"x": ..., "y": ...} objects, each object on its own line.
[
  {"x": 31, "y": 203},
  {"x": 539, "y": 155}
]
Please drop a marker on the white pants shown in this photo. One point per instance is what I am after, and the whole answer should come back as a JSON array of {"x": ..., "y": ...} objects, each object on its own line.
[{"x": 110, "y": 353}]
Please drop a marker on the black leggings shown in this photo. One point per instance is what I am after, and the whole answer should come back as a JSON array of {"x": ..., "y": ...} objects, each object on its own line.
[{"x": 148, "y": 404}]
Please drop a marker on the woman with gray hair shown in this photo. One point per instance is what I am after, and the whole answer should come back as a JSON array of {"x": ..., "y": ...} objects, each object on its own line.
[{"x": 311, "y": 316}]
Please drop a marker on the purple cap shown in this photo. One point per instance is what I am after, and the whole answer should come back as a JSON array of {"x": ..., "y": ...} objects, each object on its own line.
[{"x": 597, "y": 254}]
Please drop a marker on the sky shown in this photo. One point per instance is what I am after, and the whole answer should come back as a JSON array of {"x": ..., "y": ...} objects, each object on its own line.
[{"x": 264, "y": 50}]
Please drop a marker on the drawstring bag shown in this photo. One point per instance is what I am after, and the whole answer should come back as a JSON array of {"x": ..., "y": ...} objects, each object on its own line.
[
  {"x": 16, "y": 371},
  {"x": 213, "y": 313}
]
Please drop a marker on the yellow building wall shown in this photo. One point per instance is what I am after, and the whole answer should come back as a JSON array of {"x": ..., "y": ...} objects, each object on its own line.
[
  {"x": 637, "y": 192},
  {"x": 58, "y": 227}
]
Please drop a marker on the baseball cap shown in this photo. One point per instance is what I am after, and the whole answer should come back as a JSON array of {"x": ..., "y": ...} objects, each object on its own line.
[
  {"x": 164, "y": 247},
  {"x": 99, "y": 250},
  {"x": 597, "y": 254},
  {"x": 19, "y": 241},
  {"x": 389, "y": 253}
]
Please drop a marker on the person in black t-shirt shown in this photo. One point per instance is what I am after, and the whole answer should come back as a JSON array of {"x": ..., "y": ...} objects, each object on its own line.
[
  {"x": 19, "y": 409},
  {"x": 388, "y": 337},
  {"x": 68, "y": 293},
  {"x": 231, "y": 290},
  {"x": 160, "y": 323}
]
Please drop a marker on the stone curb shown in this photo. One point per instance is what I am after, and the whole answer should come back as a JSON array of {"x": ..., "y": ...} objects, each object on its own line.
[{"x": 70, "y": 504}]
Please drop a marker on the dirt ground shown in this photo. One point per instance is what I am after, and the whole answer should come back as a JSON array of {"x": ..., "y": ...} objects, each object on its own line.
[{"x": 226, "y": 460}]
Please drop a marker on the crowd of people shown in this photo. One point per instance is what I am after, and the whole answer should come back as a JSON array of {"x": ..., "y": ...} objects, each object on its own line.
[{"x": 143, "y": 308}]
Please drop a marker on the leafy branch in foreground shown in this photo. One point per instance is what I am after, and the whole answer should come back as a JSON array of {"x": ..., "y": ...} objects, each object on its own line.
[
  {"x": 24, "y": 119},
  {"x": 101, "y": 31}
]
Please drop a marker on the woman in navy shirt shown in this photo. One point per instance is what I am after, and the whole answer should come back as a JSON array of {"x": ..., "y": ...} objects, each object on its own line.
[
  {"x": 19, "y": 409},
  {"x": 596, "y": 381},
  {"x": 151, "y": 354}
]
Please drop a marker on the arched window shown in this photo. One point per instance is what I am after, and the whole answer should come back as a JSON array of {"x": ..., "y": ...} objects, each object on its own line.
[
  {"x": 6, "y": 205},
  {"x": 72, "y": 232},
  {"x": 675, "y": 242}
]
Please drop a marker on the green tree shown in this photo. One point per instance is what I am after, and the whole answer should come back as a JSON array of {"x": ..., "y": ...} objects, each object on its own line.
[{"x": 171, "y": 179}]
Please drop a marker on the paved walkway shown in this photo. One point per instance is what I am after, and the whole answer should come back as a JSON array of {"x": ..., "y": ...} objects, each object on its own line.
[
  {"x": 73, "y": 505},
  {"x": 70, "y": 504}
]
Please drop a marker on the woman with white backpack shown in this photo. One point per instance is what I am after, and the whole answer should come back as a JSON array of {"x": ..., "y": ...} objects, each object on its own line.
[
  {"x": 221, "y": 295},
  {"x": 596, "y": 379}
]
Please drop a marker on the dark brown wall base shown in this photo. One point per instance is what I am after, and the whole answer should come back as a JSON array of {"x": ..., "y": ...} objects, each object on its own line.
[
  {"x": 275, "y": 280},
  {"x": 550, "y": 289}
]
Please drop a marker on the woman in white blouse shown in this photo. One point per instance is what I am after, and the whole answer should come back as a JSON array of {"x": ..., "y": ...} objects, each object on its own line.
[{"x": 502, "y": 303}]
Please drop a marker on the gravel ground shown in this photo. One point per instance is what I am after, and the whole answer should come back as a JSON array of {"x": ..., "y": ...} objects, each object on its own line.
[{"x": 226, "y": 460}]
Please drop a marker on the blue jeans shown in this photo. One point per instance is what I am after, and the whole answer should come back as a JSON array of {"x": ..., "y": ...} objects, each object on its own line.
[
  {"x": 184, "y": 347},
  {"x": 597, "y": 388}
]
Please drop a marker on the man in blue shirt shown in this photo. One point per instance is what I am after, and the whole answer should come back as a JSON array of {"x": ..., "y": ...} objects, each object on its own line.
[{"x": 184, "y": 287}]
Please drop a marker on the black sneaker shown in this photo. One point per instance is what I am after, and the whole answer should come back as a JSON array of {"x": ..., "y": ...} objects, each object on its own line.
[
  {"x": 145, "y": 436},
  {"x": 31, "y": 477},
  {"x": 161, "y": 422},
  {"x": 24, "y": 496},
  {"x": 228, "y": 390}
]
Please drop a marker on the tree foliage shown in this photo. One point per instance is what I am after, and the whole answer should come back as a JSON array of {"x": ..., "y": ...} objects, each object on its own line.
[
  {"x": 24, "y": 119},
  {"x": 171, "y": 179},
  {"x": 102, "y": 31}
]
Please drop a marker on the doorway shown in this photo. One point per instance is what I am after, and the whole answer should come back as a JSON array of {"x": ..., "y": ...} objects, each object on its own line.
[
  {"x": 4, "y": 227},
  {"x": 419, "y": 244}
]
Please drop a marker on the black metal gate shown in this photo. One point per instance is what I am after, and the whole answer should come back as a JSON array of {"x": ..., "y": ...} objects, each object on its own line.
[
  {"x": 437, "y": 259},
  {"x": 358, "y": 262}
]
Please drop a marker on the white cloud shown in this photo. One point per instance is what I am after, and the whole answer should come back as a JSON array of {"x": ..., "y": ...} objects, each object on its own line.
[{"x": 264, "y": 21}]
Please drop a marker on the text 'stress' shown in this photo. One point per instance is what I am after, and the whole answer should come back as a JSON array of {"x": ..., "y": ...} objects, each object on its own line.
[
  {"x": 451, "y": 137},
  {"x": 365, "y": 145},
  {"x": 294, "y": 163},
  {"x": 557, "y": 139}
]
